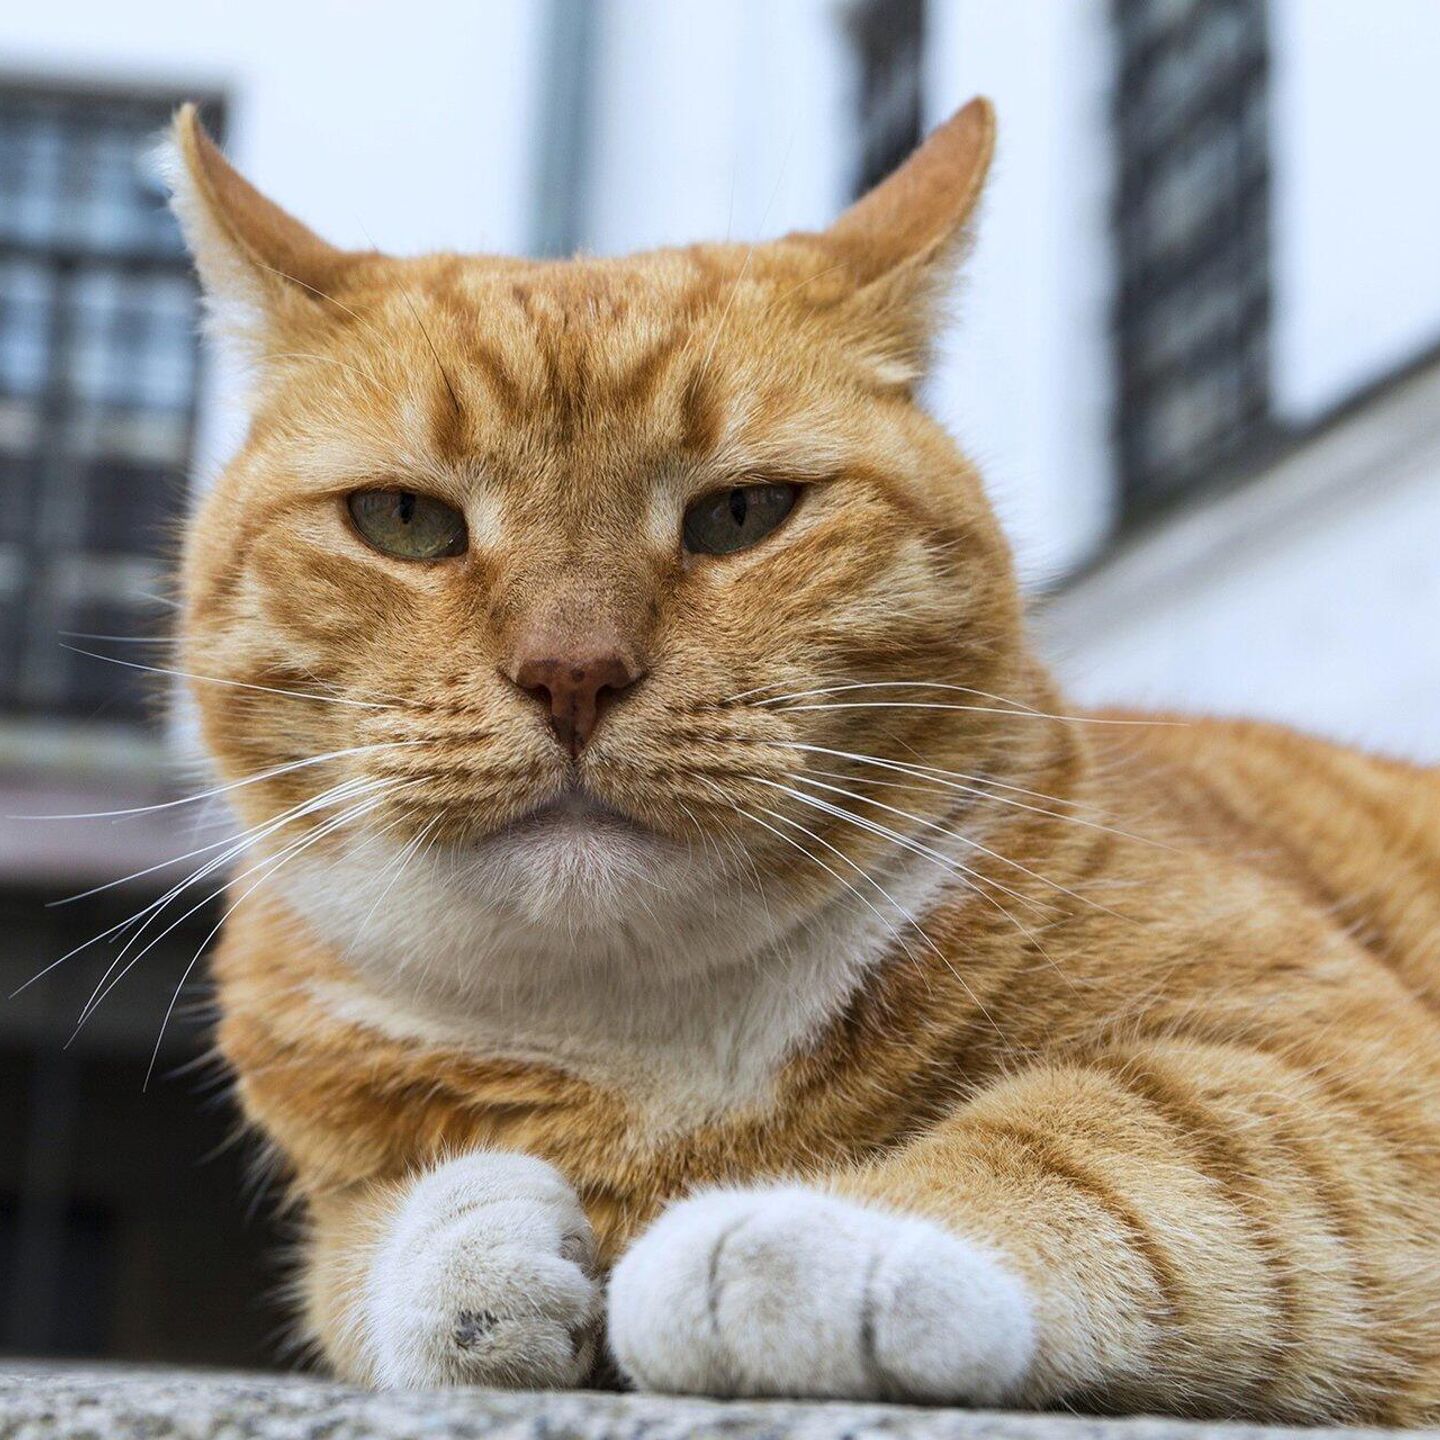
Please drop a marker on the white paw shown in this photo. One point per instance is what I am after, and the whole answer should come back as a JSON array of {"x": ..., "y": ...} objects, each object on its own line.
[
  {"x": 484, "y": 1278},
  {"x": 793, "y": 1292}
]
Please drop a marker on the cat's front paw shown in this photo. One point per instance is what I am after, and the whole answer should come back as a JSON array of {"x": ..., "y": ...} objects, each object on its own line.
[
  {"x": 484, "y": 1277},
  {"x": 793, "y": 1292}
]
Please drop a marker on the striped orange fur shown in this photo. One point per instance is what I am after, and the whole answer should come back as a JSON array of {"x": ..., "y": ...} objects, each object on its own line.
[{"x": 1162, "y": 1032}]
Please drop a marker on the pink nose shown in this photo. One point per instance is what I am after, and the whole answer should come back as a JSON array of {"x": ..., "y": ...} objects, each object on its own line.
[{"x": 575, "y": 689}]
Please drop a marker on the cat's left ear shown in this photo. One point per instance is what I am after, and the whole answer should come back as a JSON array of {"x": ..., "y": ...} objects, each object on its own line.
[
  {"x": 264, "y": 273},
  {"x": 902, "y": 241}
]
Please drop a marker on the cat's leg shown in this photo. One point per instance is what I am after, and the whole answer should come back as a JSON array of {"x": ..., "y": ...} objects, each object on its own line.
[
  {"x": 1191, "y": 1228},
  {"x": 479, "y": 1271}
]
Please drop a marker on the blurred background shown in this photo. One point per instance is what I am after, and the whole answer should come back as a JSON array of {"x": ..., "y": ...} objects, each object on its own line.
[{"x": 1198, "y": 357}]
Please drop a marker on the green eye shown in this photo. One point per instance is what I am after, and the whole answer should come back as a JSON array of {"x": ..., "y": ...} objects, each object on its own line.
[
  {"x": 735, "y": 519},
  {"x": 408, "y": 526}
]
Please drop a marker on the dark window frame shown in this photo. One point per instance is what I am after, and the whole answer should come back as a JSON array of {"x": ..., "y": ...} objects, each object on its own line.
[
  {"x": 887, "y": 39},
  {"x": 1191, "y": 228},
  {"x": 107, "y": 419}
]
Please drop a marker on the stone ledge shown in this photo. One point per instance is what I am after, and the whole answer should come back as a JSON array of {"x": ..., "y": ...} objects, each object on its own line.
[{"x": 47, "y": 1402}]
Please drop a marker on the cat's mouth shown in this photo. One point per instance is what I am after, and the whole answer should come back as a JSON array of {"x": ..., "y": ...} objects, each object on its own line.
[{"x": 576, "y": 814}]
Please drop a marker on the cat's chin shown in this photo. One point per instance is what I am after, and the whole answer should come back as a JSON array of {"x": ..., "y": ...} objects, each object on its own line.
[
  {"x": 574, "y": 858},
  {"x": 571, "y": 881}
]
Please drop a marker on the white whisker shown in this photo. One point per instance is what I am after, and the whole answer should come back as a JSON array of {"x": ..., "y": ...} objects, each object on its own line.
[
  {"x": 168, "y": 601},
  {"x": 963, "y": 839},
  {"x": 407, "y": 854},
  {"x": 978, "y": 787},
  {"x": 899, "y": 685},
  {"x": 972, "y": 877},
  {"x": 829, "y": 870},
  {"x": 221, "y": 680},
  {"x": 859, "y": 870},
  {"x": 940, "y": 955},
  {"x": 364, "y": 807},
  {"x": 236, "y": 843},
  {"x": 978, "y": 710},
  {"x": 985, "y": 780},
  {"x": 218, "y": 790},
  {"x": 746, "y": 694},
  {"x": 347, "y": 790},
  {"x": 117, "y": 639},
  {"x": 283, "y": 859}
]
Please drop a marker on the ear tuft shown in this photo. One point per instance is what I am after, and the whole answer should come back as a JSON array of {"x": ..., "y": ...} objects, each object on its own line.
[
  {"x": 901, "y": 241},
  {"x": 920, "y": 211},
  {"x": 260, "y": 268}
]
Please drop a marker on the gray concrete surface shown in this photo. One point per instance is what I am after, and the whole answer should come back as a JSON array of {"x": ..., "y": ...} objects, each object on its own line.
[{"x": 44, "y": 1402}]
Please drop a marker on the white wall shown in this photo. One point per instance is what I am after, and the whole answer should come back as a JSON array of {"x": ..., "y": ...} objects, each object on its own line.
[
  {"x": 411, "y": 125},
  {"x": 1356, "y": 150},
  {"x": 1311, "y": 596},
  {"x": 404, "y": 127},
  {"x": 1026, "y": 379},
  {"x": 716, "y": 121}
]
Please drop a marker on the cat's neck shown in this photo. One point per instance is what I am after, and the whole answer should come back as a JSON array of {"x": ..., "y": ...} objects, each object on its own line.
[
  {"x": 695, "y": 1022},
  {"x": 699, "y": 1000}
]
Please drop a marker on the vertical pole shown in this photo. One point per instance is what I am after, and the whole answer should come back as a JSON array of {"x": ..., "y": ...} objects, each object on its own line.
[{"x": 564, "y": 126}]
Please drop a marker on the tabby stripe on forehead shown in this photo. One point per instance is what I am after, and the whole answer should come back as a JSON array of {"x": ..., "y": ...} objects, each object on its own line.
[
  {"x": 636, "y": 385},
  {"x": 701, "y": 413},
  {"x": 566, "y": 383},
  {"x": 504, "y": 387},
  {"x": 448, "y": 430}
]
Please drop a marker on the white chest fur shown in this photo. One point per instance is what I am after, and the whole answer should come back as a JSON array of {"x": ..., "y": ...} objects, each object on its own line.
[{"x": 646, "y": 970}]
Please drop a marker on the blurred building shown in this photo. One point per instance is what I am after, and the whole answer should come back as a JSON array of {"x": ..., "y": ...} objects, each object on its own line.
[{"x": 1196, "y": 358}]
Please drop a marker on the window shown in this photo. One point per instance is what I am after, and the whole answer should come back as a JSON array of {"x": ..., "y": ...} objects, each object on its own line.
[
  {"x": 1193, "y": 248},
  {"x": 888, "y": 38},
  {"x": 98, "y": 356}
]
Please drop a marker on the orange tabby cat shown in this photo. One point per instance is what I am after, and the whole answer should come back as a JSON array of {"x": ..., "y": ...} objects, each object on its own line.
[{"x": 670, "y": 862}]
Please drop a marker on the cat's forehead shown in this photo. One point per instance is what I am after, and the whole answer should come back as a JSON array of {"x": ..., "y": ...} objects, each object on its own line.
[
  {"x": 582, "y": 341},
  {"x": 376, "y": 362},
  {"x": 611, "y": 327},
  {"x": 578, "y": 365}
]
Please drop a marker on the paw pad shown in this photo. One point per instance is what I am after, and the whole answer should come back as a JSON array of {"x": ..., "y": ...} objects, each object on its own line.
[
  {"x": 473, "y": 1327},
  {"x": 484, "y": 1278}
]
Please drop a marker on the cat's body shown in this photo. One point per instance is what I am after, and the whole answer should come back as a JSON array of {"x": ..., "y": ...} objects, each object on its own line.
[
  {"x": 1283, "y": 847},
  {"x": 1069, "y": 1058}
]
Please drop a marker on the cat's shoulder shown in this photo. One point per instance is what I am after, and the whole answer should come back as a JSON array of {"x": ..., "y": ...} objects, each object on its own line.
[
  {"x": 1271, "y": 759},
  {"x": 1356, "y": 833}
]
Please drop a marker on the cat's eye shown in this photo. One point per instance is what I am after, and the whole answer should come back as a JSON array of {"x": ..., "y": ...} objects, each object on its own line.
[
  {"x": 408, "y": 526},
  {"x": 731, "y": 520}
]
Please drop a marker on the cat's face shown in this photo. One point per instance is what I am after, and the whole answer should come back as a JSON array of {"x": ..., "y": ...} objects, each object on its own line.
[{"x": 576, "y": 569}]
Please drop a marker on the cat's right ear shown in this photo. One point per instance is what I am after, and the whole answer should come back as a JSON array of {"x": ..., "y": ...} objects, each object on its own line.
[
  {"x": 901, "y": 242},
  {"x": 264, "y": 274}
]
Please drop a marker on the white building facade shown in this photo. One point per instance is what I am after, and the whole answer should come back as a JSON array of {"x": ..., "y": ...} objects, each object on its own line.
[{"x": 611, "y": 124}]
